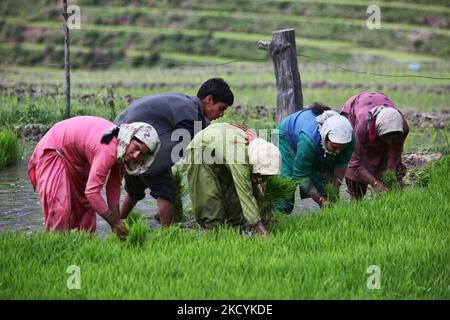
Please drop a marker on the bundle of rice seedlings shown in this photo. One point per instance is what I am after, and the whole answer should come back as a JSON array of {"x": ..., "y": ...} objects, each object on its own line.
[
  {"x": 137, "y": 229},
  {"x": 276, "y": 188},
  {"x": 390, "y": 180},
  {"x": 332, "y": 195},
  {"x": 181, "y": 193}
]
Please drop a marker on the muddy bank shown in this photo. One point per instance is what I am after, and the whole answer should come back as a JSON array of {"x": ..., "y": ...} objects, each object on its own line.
[
  {"x": 436, "y": 118},
  {"x": 420, "y": 160},
  {"x": 31, "y": 132}
]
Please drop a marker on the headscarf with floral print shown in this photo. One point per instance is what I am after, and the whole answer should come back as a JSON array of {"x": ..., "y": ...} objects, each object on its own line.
[{"x": 145, "y": 133}]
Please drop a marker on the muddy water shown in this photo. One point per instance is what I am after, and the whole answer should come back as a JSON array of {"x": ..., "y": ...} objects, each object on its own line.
[{"x": 20, "y": 209}]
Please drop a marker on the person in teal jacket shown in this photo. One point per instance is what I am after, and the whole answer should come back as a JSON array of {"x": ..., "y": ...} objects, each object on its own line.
[{"x": 316, "y": 145}]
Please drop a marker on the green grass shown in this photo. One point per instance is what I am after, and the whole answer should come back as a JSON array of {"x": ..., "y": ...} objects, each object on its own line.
[
  {"x": 10, "y": 149},
  {"x": 424, "y": 176},
  {"x": 320, "y": 256},
  {"x": 112, "y": 12},
  {"x": 428, "y": 139}
]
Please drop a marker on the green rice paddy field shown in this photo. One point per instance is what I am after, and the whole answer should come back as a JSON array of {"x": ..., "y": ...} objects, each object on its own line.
[
  {"x": 325, "y": 255},
  {"x": 122, "y": 53}
]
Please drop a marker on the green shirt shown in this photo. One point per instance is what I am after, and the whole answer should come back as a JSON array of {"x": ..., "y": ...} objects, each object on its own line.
[
  {"x": 222, "y": 144},
  {"x": 307, "y": 162}
]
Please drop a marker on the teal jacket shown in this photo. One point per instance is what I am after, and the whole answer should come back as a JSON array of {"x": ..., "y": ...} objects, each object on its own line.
[{"x": 302, "y": 152}]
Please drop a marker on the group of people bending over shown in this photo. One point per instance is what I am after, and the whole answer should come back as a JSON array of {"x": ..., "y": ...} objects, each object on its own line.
[{"x": 77, "y": 157}]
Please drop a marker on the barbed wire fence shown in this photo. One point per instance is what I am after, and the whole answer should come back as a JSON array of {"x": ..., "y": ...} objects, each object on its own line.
[{"x": 174, "y": 64}]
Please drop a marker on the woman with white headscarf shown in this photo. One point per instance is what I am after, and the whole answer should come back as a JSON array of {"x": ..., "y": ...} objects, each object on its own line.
[
  {"x": 76, "y": 158},
  {"x": 380, "y": 130},
  {"x": 315, "y": 144},
  {"x": 226, "y": 168}
]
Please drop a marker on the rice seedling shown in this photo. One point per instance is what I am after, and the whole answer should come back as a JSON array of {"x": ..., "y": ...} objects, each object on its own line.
[
  {"x": 321, "y": 256},
  {"x": 424, "y": 176},
  {"x": 390, "y": 180},
  {"x": 137, "y": 229},
  {"x": 181, "y": 193},
  {"x": 276, "y": 188},
  {"x": 332, "y": 195},
  {"x": 10, "y": 150}
]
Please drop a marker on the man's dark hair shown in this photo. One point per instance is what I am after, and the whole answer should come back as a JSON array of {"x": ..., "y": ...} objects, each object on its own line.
[
  {"x": 218, "y": 89},
  {"x": 318, "y": 108}
]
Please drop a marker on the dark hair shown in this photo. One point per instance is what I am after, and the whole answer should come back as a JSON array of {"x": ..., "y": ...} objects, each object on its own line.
[
  {"x": 393, "y": 135},
  {"x": 318, "y": 108},
  {"x": 218, "y": 89},
  {"x": 106, "y": 139}
]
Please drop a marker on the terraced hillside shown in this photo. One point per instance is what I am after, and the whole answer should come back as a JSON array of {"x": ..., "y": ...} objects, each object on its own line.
[{"x": 135, "y": 33}]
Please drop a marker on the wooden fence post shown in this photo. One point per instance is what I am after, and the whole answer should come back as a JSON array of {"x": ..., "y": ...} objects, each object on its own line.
[
  {"x": 66, "y": 58},
  {"x": 284, "y": 56}
]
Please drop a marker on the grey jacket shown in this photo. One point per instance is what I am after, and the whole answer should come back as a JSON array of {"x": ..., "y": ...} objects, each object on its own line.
[{"x": 166, "y": 113}]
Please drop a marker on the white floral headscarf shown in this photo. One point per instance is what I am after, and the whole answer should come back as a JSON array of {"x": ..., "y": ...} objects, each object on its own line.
[
  {"x": 387, "y": 120},
  {"x": 144, "y": 132},
  {"x": 336, "y": 127},
  {"x": 264, "y": 157}
]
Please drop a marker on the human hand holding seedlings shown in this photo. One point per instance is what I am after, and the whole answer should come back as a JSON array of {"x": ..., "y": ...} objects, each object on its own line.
[
  {"x": 262, "y": 230},
  {"x": 379, "y": 187},
  {"x": 324, "y": 203},
  {"x": 112, "y": 216},
  {"x": 318, "y": 198},
  {"x": 118, "y": 224},
  {"x": 119, "y": 229}
]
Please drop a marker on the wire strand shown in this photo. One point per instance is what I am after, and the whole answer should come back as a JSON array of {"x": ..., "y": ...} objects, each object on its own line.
[{"x": 173, "y": 63}]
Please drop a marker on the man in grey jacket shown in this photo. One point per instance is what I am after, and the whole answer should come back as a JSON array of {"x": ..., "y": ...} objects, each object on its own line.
[{"x": 167, "y": 113}]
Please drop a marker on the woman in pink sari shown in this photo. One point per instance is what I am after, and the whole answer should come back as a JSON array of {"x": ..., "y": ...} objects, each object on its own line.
[{"x": 76, "y": 158}]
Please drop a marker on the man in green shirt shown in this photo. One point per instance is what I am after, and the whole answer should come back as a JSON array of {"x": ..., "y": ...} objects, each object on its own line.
[{"x": 226, "y": 168}]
